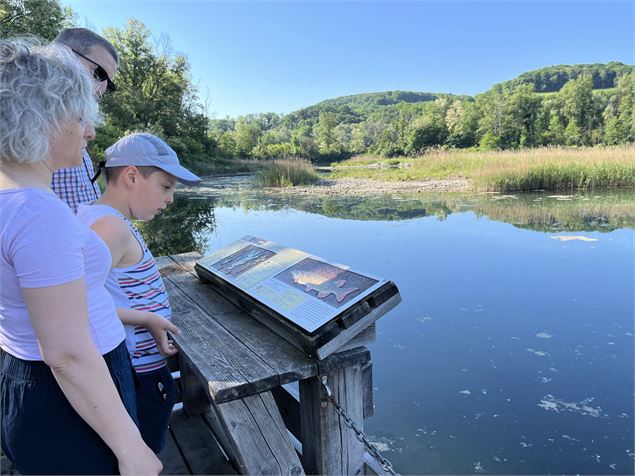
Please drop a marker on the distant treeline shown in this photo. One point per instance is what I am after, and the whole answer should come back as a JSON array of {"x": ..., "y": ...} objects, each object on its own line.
[
  {"x": 510, "y": 115},
  {"x": 558, "y": 105},
  {"x": 553, "y": 78}
]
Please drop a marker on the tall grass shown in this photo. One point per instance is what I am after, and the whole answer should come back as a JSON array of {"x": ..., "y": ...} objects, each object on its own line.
[
  {"x": 203, "y": 165},
  {"x": 549, "y": 168},
  {"x": 287, "y": 173},
  {"x": 557, "y": 169}
]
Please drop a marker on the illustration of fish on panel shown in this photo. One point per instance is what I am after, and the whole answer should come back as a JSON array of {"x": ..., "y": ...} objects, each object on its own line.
[{"x": 313, "y": 282}]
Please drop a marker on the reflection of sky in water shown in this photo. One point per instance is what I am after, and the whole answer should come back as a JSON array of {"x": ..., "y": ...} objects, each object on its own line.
[{"x": 511, "y": 352}]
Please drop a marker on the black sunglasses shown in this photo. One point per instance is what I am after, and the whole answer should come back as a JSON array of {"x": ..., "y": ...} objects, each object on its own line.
[{"x": 99, "y": 73}]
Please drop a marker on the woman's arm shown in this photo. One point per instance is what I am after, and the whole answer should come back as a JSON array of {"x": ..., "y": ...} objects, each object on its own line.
[
  {"x": 157, "y": 325},
  {"x": 59, "y": 315}
]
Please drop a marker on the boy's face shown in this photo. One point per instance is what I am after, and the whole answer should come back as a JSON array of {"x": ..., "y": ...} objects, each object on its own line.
[{"x": 152, "y": 195}]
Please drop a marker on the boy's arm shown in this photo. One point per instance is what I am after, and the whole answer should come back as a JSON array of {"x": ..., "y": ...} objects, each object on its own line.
[
  {"x": 120, "y": 241},
  {"x": 125, "y": 249},
  {"x": 157, "y": 325}
]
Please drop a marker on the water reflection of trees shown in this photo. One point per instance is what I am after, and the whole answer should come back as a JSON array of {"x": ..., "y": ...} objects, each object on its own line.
[
  {"x": 606, "y": 212},
  {"x": 380, "y": 207},
  {"x": 183, "y": 227},
  {"x": 594, "y": 211}
]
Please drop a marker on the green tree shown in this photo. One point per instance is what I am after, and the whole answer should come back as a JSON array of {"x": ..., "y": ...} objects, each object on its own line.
[
  {"x": 246, "y": 135},
  {"x": 496, "y": 120},
  {"x": 155, "y": 92},
  {"x": 554, "y": 135},
  {"x": 626, "y": 108},
  {"x": 577, "y": 108},
  {"x": 573, "y": 134},
  {"x": 304, "y": 144},
  {"x": 227, "y": 145},
  {"x": 460, "y": 122},
  {"x": 325, "y": 131},
  {"x": 524, "y": 105},
  {"x": 360, "y": 140},
  {"x": 43, "y": 18}
]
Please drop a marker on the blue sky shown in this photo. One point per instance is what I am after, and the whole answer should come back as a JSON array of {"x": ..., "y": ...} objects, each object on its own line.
[{"x": 264, "y": 56}]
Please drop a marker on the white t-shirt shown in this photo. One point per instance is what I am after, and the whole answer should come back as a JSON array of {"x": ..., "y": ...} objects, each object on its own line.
[{"x": 42, "y": 244}]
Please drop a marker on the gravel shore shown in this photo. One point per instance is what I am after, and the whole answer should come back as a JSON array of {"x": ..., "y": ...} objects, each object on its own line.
[{"x": 357, "y": 186}]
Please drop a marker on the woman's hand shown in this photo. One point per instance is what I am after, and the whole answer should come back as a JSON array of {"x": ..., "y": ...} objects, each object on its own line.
[{"x": 141, "y": 461}]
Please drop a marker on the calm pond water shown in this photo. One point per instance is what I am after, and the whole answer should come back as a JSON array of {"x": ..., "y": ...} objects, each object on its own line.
[{"x": 512, "y": 352}]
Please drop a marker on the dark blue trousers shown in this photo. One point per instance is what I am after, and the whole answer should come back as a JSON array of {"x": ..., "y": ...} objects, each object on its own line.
[
  {"x": 42, "y": 433},
  {"x": 157, "y": 393}
]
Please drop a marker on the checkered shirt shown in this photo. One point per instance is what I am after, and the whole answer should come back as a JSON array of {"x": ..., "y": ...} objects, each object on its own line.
[{"x": 73, "y": 184}]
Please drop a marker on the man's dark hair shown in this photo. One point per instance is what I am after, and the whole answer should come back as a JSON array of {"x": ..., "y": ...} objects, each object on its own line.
[{"x": 83, "y": 39}]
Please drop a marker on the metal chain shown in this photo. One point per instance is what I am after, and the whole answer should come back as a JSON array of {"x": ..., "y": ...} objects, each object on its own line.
[{"x": 359, "y": 434}]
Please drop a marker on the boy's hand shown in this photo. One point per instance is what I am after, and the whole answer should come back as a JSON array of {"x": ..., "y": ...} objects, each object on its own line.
[{"x": 159, "y": 327}]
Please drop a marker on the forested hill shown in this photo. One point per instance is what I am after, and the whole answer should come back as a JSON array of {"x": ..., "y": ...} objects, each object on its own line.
[
  {"x": 370, "y": 102},
  {"x": 357, "y": 107},
  {"x": 553, "y": 78}
]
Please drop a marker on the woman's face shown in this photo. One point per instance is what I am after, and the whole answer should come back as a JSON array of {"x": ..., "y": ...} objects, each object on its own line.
[{"x": 66, "y": 149}]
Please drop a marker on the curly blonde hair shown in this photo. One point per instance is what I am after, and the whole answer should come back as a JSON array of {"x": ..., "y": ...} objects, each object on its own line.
[{"x": 42, "y": 88}]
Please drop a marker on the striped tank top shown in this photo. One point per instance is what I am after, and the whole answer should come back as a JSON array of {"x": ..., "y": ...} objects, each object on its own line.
[{"x": 138, "y": 287}]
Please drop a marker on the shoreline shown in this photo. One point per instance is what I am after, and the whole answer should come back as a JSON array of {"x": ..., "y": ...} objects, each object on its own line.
[
  {"x": 353, "y": 186},
  {"x": 363, "y": 186}
]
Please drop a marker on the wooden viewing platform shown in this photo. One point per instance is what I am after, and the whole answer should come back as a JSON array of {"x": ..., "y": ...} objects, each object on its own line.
[{"x": 251, "y": 402}]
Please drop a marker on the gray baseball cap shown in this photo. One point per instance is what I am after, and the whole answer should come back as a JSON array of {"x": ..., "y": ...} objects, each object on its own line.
[{"x": 142, "y": 149}]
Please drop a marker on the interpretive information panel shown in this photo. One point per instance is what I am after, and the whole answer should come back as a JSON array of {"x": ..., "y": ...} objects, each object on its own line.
[{"x": 303, "y": 288}]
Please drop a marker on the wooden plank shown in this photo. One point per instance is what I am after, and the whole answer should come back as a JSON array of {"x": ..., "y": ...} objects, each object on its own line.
[
  {"x": 367, "y": 390},
  {"x": 255, "y": 436},
  {"x": 165, "y": 263},
  {"x": 168, "y": 266},
  {"x": 198, "y": 446},
  {"x": 266, "y": 415},
  {"x": 333, "y": 345},
  {"x": 187, "y": 260},
  {"x": 289, "y": 363},
  {"x": 231, "y": 369},
  {"x": 348, "y": 358},
  {"x": 364, "y": 338},
  {"x": 328, "y": 445},
  {"x": 172, "y": 459}
]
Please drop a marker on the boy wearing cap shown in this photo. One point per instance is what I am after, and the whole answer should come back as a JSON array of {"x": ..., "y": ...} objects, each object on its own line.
[{"x": 141, "y": 174}]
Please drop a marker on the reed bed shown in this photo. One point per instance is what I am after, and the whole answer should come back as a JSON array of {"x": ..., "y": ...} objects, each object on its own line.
[
  {"x": 548, "y": 168},
  {"x": 287, "y": 173}
]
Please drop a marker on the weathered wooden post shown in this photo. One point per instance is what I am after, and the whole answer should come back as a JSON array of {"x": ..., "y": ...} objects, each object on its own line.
[{"x": 328, "y": 445}]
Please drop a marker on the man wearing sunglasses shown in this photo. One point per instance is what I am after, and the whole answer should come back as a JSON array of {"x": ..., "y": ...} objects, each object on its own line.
[{"x": 100, "y": 58}]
